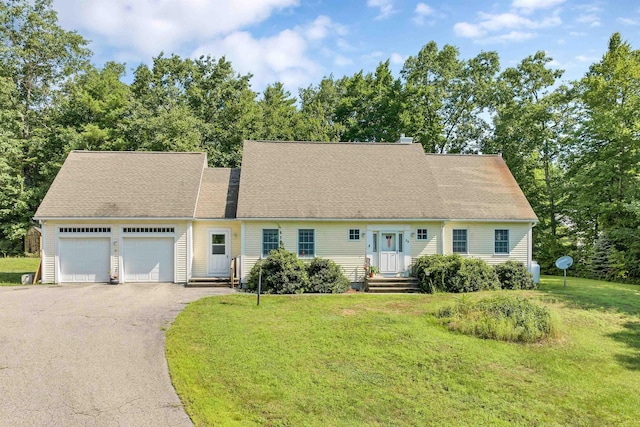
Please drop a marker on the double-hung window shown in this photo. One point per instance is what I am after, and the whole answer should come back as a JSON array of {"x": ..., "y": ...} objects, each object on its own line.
[
  {"x": 460, "y": 243},
  {"x": 270, "y": 240},
  {"x": 306, "y": 243},
  {"x": 501, "y": 243}
]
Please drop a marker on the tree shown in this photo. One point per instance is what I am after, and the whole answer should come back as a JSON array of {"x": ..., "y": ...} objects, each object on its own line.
[
  {"x": 279, "y": 114},
  {"x": 36, "y": 58},
  {"x": 533, "y": 123},
  {"x": 445, "y": 98},
  {"x": 369, "y": 106},
  {"x": 605, "y": 171},
  {"x": 318, "y": 120}
]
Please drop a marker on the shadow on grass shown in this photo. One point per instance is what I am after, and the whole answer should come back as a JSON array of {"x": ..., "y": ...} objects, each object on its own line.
[
  {"x": 630, "y": 336},
  {"x": 12, "y": 277},
  {"x": 593, "y": 294}
]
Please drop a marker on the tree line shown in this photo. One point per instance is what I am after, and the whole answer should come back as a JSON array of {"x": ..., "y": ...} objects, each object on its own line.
[{"x": 573, "y": 147}]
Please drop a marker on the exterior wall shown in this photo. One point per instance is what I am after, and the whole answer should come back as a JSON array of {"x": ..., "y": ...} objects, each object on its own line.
[
  {"x": 201, "y": 243},
  {"x": 480, "y": 240},
  {"x": 50, "y": 237},
  {"x": 331, "y": 241},
  {"x": 431, "y": 246}
]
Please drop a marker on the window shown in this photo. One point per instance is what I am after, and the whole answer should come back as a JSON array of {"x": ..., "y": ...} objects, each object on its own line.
[
  {"x": 422, "y": 234},
  {"x": 354, "y": 234},
  {"x": 400, "y": 243},
  {"x": 459, "y": 241},
  {"x": 84, "y": 230},
  {"x": 501, "y": 245},
  {"x": 375, "y": 243},
  {"x": 270, "y": 240},
  {"x": 148, "y": 230},
  {"x": 306, "y": 243},
  {"x": 218, "y": 245}
]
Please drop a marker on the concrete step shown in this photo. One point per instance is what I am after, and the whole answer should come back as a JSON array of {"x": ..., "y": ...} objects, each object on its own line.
[{"x": 393, "y": 290}]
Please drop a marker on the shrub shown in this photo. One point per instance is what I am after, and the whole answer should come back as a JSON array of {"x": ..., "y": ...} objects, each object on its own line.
[
  {"x": 435, "y": 272},
  {"x": 501, "y": 317},
  {"x": 326, "y": 276},
  {"x": 514, "y": 275},
  {"x": 475, "y": 275},
  {"x": 452, "y": 273},
  {"x": 282, "y": 273}
]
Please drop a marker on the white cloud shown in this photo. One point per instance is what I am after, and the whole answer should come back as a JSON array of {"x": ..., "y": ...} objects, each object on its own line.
[
  {"x": 628, "y": 21},
  {"x": 490, "y": 24},
  {"x": 589, "y": 19},
  {"x": 385, "y": 6},
  {"x": 584, "y": 58},
  {"x": 396, "y": 58},
  {"x": 323, "y": 27},
  {"x": 341, "y": 60},
  {"x": 282, "y": 57},
  {"x": 146, "y": 27},
  {"x": 421, "y": 11},
  {"x": 577, "y": 33},
  {"x": 531, "y": 5}
]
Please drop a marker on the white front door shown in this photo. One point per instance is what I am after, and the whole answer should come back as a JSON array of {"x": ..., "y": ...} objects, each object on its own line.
[
  {"x": 388, "y": 252},
  {"x": 219, "y": 253}
]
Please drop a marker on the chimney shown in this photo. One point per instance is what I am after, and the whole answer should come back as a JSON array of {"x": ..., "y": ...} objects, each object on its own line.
[{"x": 405, "y": 139}]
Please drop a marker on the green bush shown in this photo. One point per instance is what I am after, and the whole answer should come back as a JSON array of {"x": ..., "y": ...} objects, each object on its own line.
[
  {"x": 475, "y": 275},
  {"x": 326, "y": 276},
  {"x": 282, "y": 273},
  {"x": 514, "y": 275},
  {"x": 452, "y": 273},
  {"x": 504, "y": 318}
]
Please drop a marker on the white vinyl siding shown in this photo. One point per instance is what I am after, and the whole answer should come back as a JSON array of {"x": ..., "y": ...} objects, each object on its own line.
[
  {"x": 330, "y": 242},
  {"x": 481, "y": 240},
  {"x": 429, "y": 246},
  {"x": 201, "y": 244},
  {"x": 50, "y": 245}
]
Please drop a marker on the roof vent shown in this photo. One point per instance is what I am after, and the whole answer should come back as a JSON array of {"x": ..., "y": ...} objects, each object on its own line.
[{"x": 405, "y": 139}]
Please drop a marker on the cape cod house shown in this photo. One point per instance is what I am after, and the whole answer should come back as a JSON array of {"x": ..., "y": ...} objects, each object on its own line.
[{"x": 167, "y": 217}]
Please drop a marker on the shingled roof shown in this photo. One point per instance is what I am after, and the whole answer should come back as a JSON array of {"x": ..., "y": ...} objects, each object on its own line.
[
  {"x": 218, "y": 193},
  {"x": 374, "y": 181},
  {"x": 125, "y": 185}
]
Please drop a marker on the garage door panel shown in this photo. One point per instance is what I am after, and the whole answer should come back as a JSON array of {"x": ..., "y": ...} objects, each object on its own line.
[
  {"x": 84, "y": 260},
  {"x": 148, "y": 259}
]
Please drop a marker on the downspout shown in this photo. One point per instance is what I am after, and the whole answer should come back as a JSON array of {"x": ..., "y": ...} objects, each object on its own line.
[{"x": 42, "y": 253}]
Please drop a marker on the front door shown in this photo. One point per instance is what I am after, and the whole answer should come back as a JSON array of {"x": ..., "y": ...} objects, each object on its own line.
[
  {"x": 219, "y": 254},
  {"x": 388, "y": 252}
]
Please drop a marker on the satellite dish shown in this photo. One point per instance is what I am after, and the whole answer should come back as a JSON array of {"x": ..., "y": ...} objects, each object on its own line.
[{"x": 564, "y": 262}]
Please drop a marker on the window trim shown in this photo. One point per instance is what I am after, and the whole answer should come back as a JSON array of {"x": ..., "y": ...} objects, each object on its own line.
[
  {"x": 352, "y": 233},
  {"x": 277, "y": 230},
  {"x": 426, "y": 234},
  {"x": 466, "y": 241},
  {"x": 313, "y": 234},
  {"x": 495, "y": 241}
]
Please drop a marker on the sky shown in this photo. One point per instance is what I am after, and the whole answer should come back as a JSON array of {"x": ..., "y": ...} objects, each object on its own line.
[{"x": 297, "y": 42}]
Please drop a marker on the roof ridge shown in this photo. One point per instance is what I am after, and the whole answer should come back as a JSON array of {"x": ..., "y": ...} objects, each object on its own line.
[
  {"x": 136, "y": 152},
  {"x": 371, "y": 143}
]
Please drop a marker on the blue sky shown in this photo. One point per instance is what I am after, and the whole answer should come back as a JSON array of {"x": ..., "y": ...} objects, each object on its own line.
[{"x": 298, "y": 42}]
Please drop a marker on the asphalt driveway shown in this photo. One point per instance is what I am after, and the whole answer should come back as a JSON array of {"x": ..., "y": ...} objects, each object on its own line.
[{"x": 89, "y": 354}]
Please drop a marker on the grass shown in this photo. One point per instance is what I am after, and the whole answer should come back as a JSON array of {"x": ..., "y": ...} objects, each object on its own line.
[
  {"x": 12, "y": 269},
  {"x": 351, "y": 360}
]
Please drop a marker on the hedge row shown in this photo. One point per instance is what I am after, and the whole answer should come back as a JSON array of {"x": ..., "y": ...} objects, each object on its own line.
[
  {"x": 284, "y": 273},
  {"x": 453, "y": 273}
]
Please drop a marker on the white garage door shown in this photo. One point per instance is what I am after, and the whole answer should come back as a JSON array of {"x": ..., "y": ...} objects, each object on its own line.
[
  {"x": 148, "y": 259},
  {"x": 84, "y": 260}
]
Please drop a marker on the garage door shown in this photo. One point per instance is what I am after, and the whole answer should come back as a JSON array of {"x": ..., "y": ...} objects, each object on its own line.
[
  {"x": 148, "y": 259},
  {"x": 84, "y": 260}
]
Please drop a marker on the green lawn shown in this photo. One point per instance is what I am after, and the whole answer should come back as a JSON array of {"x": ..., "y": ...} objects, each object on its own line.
[
  {"x": 12, "y": 269},
  {"x": 345, "y": 360}
]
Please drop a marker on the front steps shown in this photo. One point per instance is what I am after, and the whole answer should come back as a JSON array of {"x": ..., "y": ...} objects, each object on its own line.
[
  {"x": 392, "y": 285},
  {"x": 212, "y": 282}
]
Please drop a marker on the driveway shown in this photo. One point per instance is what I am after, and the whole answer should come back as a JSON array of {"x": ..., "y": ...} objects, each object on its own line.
[{"x": 89, "y": 354}]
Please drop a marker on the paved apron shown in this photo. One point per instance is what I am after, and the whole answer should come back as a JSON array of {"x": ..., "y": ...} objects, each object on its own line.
[{"x": 90, "y": 355}]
